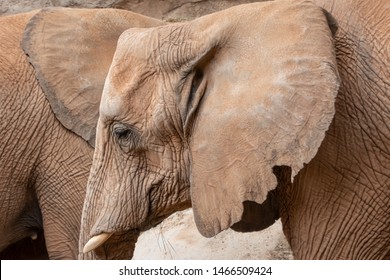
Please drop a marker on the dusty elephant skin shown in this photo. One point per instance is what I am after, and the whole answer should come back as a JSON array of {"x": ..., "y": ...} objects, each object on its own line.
[
  {"x": 41, "y": 162},
  {"x": 209, "y": 109},
  {"x": 44, "y": 109},
  {"x": 339, "y": 205}
]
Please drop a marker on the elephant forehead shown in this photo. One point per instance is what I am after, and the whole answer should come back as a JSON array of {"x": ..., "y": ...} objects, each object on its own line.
[
  {"x": 128, "y": 103},
  {"x": 110, "y": 105}
]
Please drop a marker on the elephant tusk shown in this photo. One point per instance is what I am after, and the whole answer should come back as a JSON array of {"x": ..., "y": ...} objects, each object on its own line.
[
  {"x": 34, "y": 236},
  {"x": 96, "y": 241}
]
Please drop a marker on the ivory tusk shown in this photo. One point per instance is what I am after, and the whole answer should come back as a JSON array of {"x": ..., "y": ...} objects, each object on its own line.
[
  {"x": 96, "y": 241},
  {"x": 34, "y": 236}
]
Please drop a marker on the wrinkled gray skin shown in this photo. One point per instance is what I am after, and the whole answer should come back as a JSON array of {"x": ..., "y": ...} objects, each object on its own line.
[
  {"x": 339, "y": 205},
  {"x": 148, "y": 159},
  {"x": 44, "y": 166}
]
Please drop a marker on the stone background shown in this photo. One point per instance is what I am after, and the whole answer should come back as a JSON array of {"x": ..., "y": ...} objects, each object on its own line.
[{"x": 162, "y": 9}]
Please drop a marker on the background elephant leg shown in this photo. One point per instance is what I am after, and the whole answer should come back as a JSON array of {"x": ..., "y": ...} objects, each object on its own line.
[{"x": 63, "y": 174}]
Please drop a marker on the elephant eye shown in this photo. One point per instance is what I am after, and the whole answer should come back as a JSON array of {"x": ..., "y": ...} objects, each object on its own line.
[
  {"x": 126, "y": 137},
  {"x": 122, "y": 134}
]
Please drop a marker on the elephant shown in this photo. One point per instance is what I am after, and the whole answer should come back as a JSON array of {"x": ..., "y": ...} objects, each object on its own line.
[
  {"x": 53, "y": 63},
  {"x": 346, "y": 187},
  {"x": 289, "y": 116},
  {"x": 166, "y": 136}
]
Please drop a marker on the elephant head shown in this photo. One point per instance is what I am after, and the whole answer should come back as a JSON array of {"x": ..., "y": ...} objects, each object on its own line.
[
  {"x": 203, "y": 111},
  {"x": 44, "y": 166}
]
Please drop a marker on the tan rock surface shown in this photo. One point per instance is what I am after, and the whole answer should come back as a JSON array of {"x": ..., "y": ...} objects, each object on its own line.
[
  {"x": 178, "y": 238},
  {"x": 162, "y": 9}
]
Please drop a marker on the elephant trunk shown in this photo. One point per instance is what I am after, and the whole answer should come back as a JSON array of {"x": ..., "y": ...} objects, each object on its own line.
[{"x": 110, "y": 209}]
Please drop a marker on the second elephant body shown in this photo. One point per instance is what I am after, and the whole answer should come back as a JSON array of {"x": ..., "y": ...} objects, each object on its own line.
[{"x": 44, "y": 163}]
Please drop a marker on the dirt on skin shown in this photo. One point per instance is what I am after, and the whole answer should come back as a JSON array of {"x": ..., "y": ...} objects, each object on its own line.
[{"x": 178, "y": 238}]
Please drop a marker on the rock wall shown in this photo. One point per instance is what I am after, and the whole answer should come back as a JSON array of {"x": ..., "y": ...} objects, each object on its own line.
[
  {"x": 177, "y": 238},
  {"x": 170, "y": 10},
  {"x": 18, "y": 6},
  {"x": 174, "y": 10}
]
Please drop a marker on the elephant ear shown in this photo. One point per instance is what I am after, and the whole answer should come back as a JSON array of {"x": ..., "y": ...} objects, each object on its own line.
[
  {"x": 71, "y": 51},
  {"x": 262, "y": 97}
]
